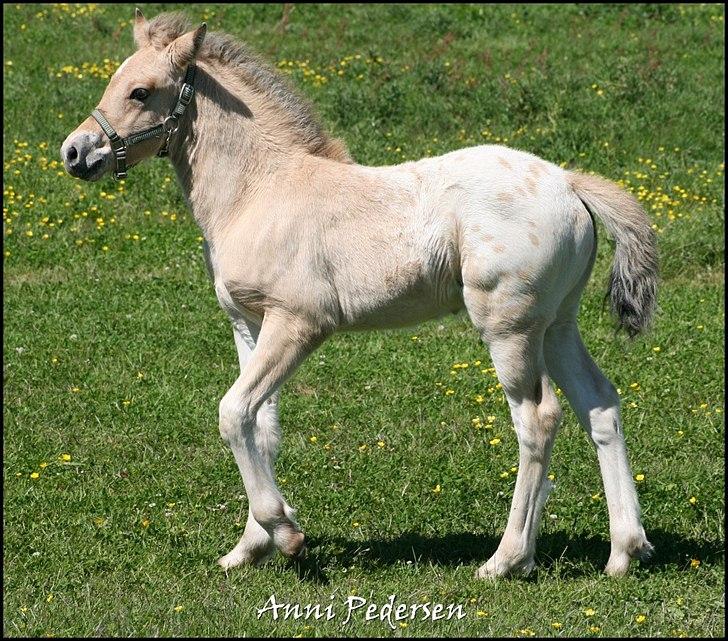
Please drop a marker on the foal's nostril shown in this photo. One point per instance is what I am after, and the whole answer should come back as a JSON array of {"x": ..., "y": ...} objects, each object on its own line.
[{"x": 71, "y": 154}]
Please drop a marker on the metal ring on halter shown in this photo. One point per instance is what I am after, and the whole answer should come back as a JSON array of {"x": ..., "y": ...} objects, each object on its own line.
[{"x": 167, "y": 128}]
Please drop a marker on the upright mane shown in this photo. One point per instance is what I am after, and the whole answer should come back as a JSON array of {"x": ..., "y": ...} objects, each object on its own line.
[{"x": 257, "y": 75}]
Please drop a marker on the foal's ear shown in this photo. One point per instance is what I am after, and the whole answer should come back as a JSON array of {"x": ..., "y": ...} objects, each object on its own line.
[
  {"x": 184, "y": 49},
  {"x": 140, "y": 29}
]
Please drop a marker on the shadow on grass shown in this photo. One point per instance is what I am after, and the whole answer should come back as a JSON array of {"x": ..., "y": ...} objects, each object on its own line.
[{"x": 582, "y": 554}]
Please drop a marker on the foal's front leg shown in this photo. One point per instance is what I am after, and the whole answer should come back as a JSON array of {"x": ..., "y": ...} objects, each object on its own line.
[
  {"x": 282, "y": 344},
  {"x": 256, "y": 545}
]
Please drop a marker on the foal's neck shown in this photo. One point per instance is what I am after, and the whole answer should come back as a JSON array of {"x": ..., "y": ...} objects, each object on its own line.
[{"x": 227, "y": 146}]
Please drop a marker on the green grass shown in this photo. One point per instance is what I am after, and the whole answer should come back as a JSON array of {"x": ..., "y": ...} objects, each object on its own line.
[{"x": 112, "y": 541}]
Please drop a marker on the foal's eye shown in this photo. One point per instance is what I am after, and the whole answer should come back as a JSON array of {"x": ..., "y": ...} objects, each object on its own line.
[{"x": 139, "y": 94}]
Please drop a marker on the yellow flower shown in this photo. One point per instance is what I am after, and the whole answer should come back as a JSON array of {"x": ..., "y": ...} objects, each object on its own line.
[
  {"x": 640, "y": 618},
  {"x": 590, "y": 612},
  {"x": 65, "y": 457},
  {"x": 380, "y": 443},
  {"x": 437, "y": 489},
  {"x": 594, "y": 628},
  {"x": 494, "y": 441},
  {"x": 639, "y": 477},
  {"x": 556, "y": 625},
  {"x": 313, "y": 439},
  {"x": 34, "y": 475},
  {"x": 694, "y": 563},
  {"x": 179, "y": 608},
  {"x": 481, "y": 613},
  {"x": 43, "y": 465},
  {"x": 145, "y": 523},
  {"x": 692, "y": 500}
]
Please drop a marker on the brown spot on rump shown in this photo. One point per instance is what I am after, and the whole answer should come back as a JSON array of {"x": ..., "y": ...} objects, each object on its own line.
[
  {"x": 487, "y": 238},
  {"x": 531, "y": 223},
  {"x": 536, "y": 168},
  {"x": 505, "y": 197},
  {"x": 504, "y": 162},
  {"x": 520, "y": 191},
  {"x": 531, "y": 185},
  {"x": 523, "y": 274},
  {"x": 534, "y": 239},
  {"x": 499, "y": 249}
]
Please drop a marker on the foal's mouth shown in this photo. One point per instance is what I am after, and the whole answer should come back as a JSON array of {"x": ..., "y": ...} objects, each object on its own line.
[{"x": 91, "y": 172}]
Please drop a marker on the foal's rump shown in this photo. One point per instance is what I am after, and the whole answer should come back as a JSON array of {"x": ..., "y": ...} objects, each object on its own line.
[{"x": 526, "y": 239}]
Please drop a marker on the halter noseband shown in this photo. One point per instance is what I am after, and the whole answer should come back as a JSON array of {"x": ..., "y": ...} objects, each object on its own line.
[{"x": 170, "y": 125}]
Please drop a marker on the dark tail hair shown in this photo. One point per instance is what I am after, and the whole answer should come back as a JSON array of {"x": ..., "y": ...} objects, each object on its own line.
[{"x": 633, "y": 282}]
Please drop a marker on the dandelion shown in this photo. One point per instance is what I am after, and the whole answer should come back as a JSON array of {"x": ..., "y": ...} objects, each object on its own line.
[
  {"x": 380, "y": 443},
  {"x": 639, "y": 478},
  {"x": 34, "y": 475},
  {"x": 313, "y": 439},
  {"x": 481, "y": 613},
  {"x": 494, "y": 441},
  {"x": 65, "y": 457},
  {"x": 437, "y": 489},
  {"x": 556, "y": 625},
  {"x": 692, "y": 500},
  {"x": 43, "y": 465},
  {"x": 694, "y": 563},
  {"x": 179, "y": 608},
  {"x": 590, "y": 612},
  {"x": 594, "y": 628},
  {"x": 640, "y": 618}
]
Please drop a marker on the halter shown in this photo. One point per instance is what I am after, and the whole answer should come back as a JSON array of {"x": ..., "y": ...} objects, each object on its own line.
[{"x": 170, "y": 126}]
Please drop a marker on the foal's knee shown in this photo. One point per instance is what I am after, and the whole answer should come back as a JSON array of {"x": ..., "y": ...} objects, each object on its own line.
[{"x": 235, "y": 416}]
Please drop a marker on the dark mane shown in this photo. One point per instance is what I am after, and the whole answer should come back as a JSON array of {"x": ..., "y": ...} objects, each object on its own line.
[{"x": 256, "y": 74}]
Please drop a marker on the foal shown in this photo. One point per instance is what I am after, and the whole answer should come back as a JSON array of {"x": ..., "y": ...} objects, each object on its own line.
[{"x": 302, "y": 242}]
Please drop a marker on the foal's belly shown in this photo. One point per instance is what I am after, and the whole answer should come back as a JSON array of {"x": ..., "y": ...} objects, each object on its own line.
[{"x": 401, "y": 305}]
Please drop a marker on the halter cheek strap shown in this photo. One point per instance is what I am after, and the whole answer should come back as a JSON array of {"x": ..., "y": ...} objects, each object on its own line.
[{"x": 170, "y": 126}]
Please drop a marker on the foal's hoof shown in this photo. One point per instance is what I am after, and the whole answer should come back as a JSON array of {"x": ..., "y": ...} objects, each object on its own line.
[
  {"x": 238, "y": 556},
  {"x": 291, "y": 542},
  {"x": 504, "y": 567},
  {"x": 619, "y": 560}
]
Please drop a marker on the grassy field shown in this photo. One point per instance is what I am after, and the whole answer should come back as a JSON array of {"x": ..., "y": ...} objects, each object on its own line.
[{"x": 119, "y": 494}]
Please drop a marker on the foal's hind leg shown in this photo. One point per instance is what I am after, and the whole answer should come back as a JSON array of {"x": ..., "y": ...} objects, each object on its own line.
[
  {"x": 596, "y": 404},
  {"x": 516, "y": 349}
]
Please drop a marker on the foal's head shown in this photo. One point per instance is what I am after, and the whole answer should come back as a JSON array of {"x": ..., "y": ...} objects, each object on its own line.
[{"x": 141, "y": 94}]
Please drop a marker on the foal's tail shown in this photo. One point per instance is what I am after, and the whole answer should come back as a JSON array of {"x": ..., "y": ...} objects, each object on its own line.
[{"x": 633, "y": 282}]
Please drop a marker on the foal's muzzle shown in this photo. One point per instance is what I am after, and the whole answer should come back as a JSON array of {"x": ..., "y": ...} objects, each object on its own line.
[{"x": 84, "y": 157}]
